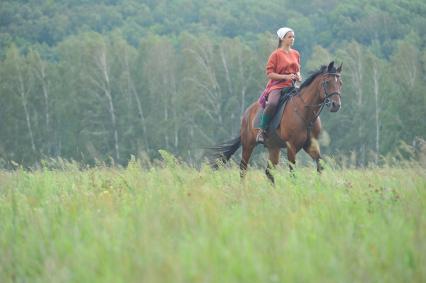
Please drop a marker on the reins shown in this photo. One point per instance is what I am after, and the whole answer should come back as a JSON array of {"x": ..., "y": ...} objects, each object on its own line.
[{"x": 326, "y": 102}]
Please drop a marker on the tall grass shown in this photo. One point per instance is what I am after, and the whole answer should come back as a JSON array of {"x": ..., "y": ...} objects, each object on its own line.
[{"x": 178, "y": 224}]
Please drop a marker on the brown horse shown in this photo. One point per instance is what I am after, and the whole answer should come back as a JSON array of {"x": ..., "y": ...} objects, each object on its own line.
[{"x": 299, "y": 128}]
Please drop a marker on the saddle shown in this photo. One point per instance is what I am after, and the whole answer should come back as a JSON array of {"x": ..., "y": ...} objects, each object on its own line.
[{"x": 286, "y": 94}]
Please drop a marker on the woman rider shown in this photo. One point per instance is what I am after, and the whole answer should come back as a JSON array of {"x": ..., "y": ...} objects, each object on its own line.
[{"x": 282, "y": 69}]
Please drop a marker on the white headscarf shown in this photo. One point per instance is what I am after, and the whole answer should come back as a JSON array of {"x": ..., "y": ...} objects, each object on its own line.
[{"x": 283, "y": 31}]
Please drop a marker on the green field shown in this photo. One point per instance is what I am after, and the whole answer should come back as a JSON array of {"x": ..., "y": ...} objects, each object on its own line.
[{"x": 176, "y": 224}]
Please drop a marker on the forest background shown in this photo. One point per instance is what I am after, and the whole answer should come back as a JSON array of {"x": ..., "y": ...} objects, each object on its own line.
[{"x": 101, "y": 81}]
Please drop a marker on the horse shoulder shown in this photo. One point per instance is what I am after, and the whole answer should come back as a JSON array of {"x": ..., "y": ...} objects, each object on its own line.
[{"x": 291, "y": 123}]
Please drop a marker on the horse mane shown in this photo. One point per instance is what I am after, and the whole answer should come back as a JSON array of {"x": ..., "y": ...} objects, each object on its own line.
[{"x": 314, "y": 74}]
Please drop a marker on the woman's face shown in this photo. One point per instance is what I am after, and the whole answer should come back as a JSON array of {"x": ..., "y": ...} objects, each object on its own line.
[{"x": 289, "y": 39}]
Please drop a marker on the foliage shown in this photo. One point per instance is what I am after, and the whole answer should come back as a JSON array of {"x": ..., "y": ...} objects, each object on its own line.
[{"x": 105, "y": 80}]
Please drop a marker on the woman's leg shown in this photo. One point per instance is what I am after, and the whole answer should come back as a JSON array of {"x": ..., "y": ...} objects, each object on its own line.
[
  {"x": 268, "y": 114},
  {"x": 271, "y": 104}
]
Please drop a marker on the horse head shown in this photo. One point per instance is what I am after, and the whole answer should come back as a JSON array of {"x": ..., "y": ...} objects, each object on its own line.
[{"x": 331, "y": 86}]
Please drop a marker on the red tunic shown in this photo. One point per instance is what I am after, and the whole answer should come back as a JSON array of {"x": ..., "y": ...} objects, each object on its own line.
[{"x": 281, "y": 62}]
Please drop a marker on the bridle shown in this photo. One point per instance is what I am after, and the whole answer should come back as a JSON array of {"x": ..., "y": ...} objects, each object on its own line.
[{"x": 326, "y": 102}]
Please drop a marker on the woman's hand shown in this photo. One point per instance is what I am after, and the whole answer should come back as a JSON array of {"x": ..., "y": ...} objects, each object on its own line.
[
  {"x": 293, "y": 77},
  {"x": 287, "y": 77}
]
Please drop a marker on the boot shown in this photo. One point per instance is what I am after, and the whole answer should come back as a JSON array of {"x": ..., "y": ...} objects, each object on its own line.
[{"x": 264, "y": 123}]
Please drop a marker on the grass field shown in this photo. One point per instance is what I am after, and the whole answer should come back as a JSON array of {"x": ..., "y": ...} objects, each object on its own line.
[{"x": 178, "y": 224}]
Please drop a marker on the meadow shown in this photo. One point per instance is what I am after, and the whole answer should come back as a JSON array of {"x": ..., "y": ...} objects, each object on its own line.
[{"x": 174, "y": 223}]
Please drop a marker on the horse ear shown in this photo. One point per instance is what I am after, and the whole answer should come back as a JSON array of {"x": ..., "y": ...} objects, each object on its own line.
[
  {"x": 330, "y": 67},
  {"x": 340, "y": 68}
]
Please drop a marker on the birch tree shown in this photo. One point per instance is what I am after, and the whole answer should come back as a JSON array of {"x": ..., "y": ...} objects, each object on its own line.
[
  {"x": 21, "y": 85},
  {"x": 39, "y": 68},
  {"x": 377, "y": 112},
  {"x": 101, "y": 81},
  {"x": 241, "y": 73},
  {"x": 91, "y": 93},
  {"x": 408, "y": 90},
  {"x": 203, "y": 79},
  {"x": 375, "y": 72},
  {"x": 353, "y": 57},
  {"x": 160, "y": 73},
  {"x": 132, "y": 122}
]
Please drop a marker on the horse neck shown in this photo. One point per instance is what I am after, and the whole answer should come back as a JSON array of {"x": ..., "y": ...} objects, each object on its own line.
[{"x": 311, "y": 93}]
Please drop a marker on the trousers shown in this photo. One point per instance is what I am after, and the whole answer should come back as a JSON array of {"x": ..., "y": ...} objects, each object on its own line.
[{"x": 270, "y": 108}]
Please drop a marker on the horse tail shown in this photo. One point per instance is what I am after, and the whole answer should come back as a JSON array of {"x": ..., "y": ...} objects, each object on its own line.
[{"x": 221, "y": 153}]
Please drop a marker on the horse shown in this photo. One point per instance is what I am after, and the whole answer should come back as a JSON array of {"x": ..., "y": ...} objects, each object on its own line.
[{"x": 299, "y": 127}]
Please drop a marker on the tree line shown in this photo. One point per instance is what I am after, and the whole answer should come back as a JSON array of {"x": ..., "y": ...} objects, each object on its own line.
[{"x": 107, "y": 91}]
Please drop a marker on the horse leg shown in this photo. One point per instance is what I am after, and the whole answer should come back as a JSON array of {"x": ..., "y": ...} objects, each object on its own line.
[
  {"x": 312, "y": 145},
  {"x": 313, "y": 149},
  {"x": 274, "y": 156},
  {"x": 245, "y": 157},
  {"x": 291, "y": 156}
]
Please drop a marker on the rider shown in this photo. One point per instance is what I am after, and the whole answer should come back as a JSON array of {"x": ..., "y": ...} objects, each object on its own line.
[{"x": 282, "y": 69}]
